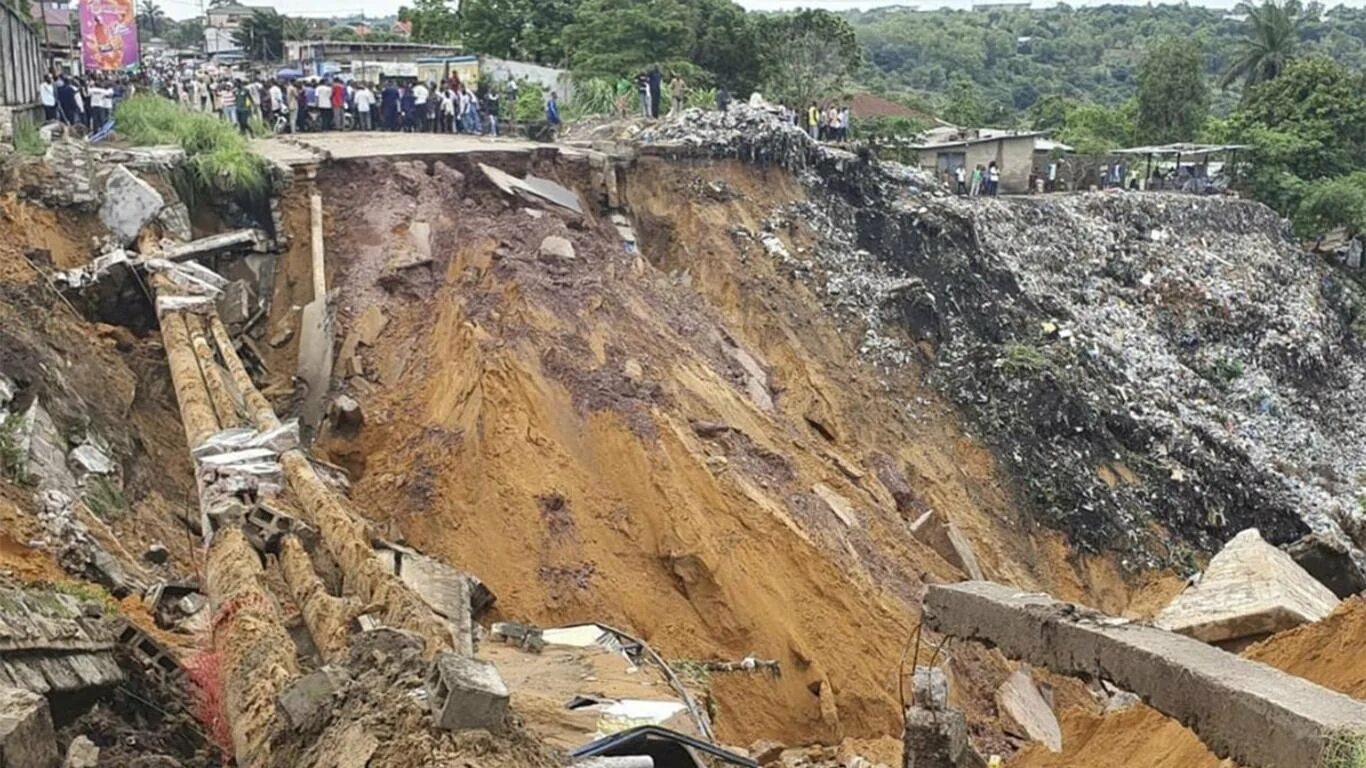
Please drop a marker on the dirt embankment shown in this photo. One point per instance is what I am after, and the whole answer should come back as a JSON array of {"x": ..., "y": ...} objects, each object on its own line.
[
  {"x": 679, "y": 442},
  {"x": 1331, "y": 652}
]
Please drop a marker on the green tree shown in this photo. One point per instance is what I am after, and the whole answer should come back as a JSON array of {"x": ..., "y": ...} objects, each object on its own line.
[
  {"x": 342, "y": 34},
  {"x": 296, "y": 28},
  {"x": 433, "y": 21},
  {"x": 727, "y": 46},
  {"x": 1095, "y": 129},
  {"x": 964, "y": 106},
  {"x": 261, "y": 36},
  {"x": 1272, "y": 38},
  {"x": 150, "y": 16},
  {"x": 1321, "y": 104},
  {"x": 185, "y": 34},
  {"x": 529, "y": 30},
  {"x": 1332, "y": 203},
  {"x": 612, "y": 38},
  {"x": 1173, "y": 99},
  {"x": 808, "y": 56}
]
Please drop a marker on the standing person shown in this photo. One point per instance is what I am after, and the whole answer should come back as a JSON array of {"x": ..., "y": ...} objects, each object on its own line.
[
  {"x": 993, "y": 179},
  {"x": 448, "y": 116},
  {"x": 323, "y": 93},
  {"x": 622, "y": 98},
  {"x": 245, "y": 107},
  {"x": 388, "y": 105},
  {"x": 408, "y": 105},
  {"x": 722, "y": 99},
  {"x": 292, "y": 105},
  {"x": 678, "y": 91},
  {"x": 844, "y": 123},
  {"x": 975, "y": 184},
  {"x": 48, "y": 95},
  {"x": 491, "y": 110},
  {"x": 813, "y": 121},
  {"x": 420, "y": 96},
  {"x": 1051, "y": 176},
  {"x": 643, "y": 88},
  {"x": 254, "y": 92},
  {"x": 227, "y": 102},
  {"x": 552, "y": 111},
  {"x": 960, "y": 175},
  {"x": 365, "y": 101},
  {"x": 101, "y": 102},
  {"x": 277, "y": 101},
  {"x": 656, "y": 83},
  {"x": 338, "y": 106}
]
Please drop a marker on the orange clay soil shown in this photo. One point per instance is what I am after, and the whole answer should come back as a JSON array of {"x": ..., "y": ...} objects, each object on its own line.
[
  {"x": 531, "y": 422},
  {"x": 1331, "y": 652}
]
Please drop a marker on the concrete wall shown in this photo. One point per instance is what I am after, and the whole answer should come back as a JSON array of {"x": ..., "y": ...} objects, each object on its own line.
[
  {"x": 1014, "y": 155},
  {"x": 21, "y": 70},
  {"x": 549, "y": 78},
  {"x": 1251, "y": 712}
]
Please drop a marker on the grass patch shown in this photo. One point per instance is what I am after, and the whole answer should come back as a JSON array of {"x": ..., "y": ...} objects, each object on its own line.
[
  {"x": 1344, "y": 749},
  {"x": 1023, "y": 360},
  {"x": 216, "y": 152},
  {"x": 104, "y": 499},
  {"x": 27, "y": 140},
  {"x": 13, "y": 457},
  {"x": 88, "y": 593}
]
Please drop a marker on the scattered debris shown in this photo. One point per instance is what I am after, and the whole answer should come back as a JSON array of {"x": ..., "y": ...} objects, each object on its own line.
[
  {"x": 948, "y": 541},
  {"x": 129, "y": 204},
  {"x": 1024, "y": 711},
  {"x": 466, "y": 693},
  {"x": 555, "y": 249}
]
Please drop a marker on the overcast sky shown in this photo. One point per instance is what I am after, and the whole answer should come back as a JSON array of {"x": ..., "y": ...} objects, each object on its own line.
[{"x": 180, "y": 9}]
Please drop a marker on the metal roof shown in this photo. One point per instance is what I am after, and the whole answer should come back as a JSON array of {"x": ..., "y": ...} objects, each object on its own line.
[
  {"x": 1003, "y": 136},
  {"x": 1181, "y": 148}
]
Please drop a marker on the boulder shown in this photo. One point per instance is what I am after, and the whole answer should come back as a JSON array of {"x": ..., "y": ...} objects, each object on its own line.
[
  {"x": 1328, "y": 558},
  {"x": 556, "y": 248},
  {"x": 26, "y": 737},
  {"x": 175, "y": 221},
  {"x": 764, "y": 752},
  {"x": 948, "y": 541},
  {"x": 129, "y": 204},
  {"x": 88, "y": 459},
  {"x": 936, "y": 739},
  {"x": 82, "y": 753},
  {"x": 308, "y": 699},
  {"x": 237, "y": 304},
  {"x": 1026, "y": 713}
]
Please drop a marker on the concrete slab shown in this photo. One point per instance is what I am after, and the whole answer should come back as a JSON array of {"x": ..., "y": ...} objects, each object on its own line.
[
  {"x": 1026, "y": 712},
  {"x": 1257, "y": 715},
  {"x": 466, "y": 693},
  {"x": 26, "y": 737},
  {"x": 1250, "y": 590}
]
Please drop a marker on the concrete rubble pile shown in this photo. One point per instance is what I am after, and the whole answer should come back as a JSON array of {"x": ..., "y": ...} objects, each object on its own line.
[
  {"x": 1134, "y": 357},
  {"x": 52, "y": 643}
]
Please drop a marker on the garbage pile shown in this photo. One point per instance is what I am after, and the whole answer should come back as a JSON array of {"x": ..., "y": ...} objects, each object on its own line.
[
  {"x": 755, "y": 134},
  {"x": 1134, "y": 358}
]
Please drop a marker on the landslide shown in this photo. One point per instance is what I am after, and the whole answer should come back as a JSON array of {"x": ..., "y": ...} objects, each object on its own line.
[
  {"x": 664, "y": 440},
  {"x": 1330, "y": 652}
]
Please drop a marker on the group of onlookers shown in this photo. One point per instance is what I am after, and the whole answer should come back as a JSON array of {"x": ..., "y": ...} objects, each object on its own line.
[{"x": 77, "y": 101}]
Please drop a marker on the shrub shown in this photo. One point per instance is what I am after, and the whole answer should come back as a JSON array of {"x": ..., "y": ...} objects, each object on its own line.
[
  {"x": 27, "y": 140},
  {"x": 105, "y": 499},
  {"x": 701, "y": 98},
  {"x": 592, "y": 97},
  {"x": 215, "y": 150},
  {"x": 530, "y": 106},
  {"x": 1333, "y": 203},
  {"x": 13, "y": 458}
]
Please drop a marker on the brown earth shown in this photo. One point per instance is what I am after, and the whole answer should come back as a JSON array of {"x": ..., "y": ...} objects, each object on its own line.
[
  {"x": 531, "y": 421},
  {"x": 1331, "y": 652}
]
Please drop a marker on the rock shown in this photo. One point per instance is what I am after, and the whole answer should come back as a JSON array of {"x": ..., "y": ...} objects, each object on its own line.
[
  {"x": 948, "y": 542},
  {"x": 82, "y": 753},
  {"x": 633, "y": 370},
  {"x": 764, "y": 752},
  {"x": 838, "y": 505},
  {"x": 237, "y": 304},
  {"x": 129, "y": 204},
  {"x": 1249, "y": 590},
  {"x": 109, "y": 573},
  {"x": 26, "y": 737},
  {"x": 86, "y": 459},
  {"x": 709, "y": 429},
  {"x": 156, "y": 554},
  {"x": 346, "y": 412},
  {"x": 7, "y": 390},
  {"x": 930, "y": 687},
  {"x": 370, "y": 325},
  {"x": 307, "y": 700},
  {"x": 1121, "y": 701},
  {"x": 1024, "y": 711},
  {"x": 1327, "y": 558},
  {"x": 46, "y": 450},
  {"x": 556, "y": 248},
  {"x": 175, "y": 220},
  {"x": 894, "y": 480},
  {"x": 466, "y": 693},
  {"x": 936, "y": 739}
]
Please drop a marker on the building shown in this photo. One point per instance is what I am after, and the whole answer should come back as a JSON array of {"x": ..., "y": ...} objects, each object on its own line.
[
  {"x": 21, "y": 69},
  {"x": 220, "y": 25},
  {"x": 1013, "y": 153},
  {"x": 360, "y": 58},
  {"x": 55, "y": 33}
]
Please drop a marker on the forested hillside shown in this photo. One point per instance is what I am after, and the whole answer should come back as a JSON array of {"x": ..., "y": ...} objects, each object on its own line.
[{"x": 1013, "y": 58}]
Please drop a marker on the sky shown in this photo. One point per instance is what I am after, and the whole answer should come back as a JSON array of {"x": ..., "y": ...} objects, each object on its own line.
[{"x": 180, "y": 9}]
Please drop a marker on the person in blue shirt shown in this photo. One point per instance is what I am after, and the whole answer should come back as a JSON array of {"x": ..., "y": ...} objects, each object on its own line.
[
  {"x": 408, "y": 103},
  {"x": 388, "y": 102},
  {"x": 552, "y": 111}
]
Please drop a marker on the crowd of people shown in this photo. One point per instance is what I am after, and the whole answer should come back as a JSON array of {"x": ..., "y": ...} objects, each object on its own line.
[
  {"x": 982, "y": 180},
  {"x": 293, "y": 105},
  {"x": 73, "y": 100}
]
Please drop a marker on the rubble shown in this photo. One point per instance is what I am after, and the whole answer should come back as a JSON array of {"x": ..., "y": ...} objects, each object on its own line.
[
  {"x": 466, "y": 693},
  {"x": 129, "y": 204},
  {"x": 1025, "y": 712},
  {"x": 1249, "y": 591},
  {"x": 308, "y": 699},
  {"x": 555, "y": 249},
  {"x": 26, "y": 738},
  {"x": 81, "y": 753}
]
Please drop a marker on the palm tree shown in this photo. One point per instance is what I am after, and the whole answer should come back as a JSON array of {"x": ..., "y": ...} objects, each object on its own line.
[
  {"x": 295, "y": 28},
  {"x": 1273, "y": 34},
  {"x": 150, "y": 16}
]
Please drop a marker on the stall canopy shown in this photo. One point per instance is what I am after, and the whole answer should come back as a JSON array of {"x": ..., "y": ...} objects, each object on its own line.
[{"x": 1182, "y": 149}]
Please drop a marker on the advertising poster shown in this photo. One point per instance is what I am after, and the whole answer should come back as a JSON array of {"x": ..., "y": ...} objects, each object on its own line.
[{"x": 109, "y": 34}]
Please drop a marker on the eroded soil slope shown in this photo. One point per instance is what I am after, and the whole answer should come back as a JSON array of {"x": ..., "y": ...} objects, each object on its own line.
[{"x": 679, "y": 441}]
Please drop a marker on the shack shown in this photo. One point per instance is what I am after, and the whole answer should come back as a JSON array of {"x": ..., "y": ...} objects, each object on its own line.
[{"x": 1013, "y": 153}]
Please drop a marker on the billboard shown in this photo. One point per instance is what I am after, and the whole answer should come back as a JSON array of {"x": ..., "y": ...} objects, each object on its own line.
[{"x": 109, "y": 34}]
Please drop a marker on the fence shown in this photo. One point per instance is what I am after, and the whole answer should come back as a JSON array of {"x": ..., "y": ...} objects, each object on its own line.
[{"x": 21, "y": 70}]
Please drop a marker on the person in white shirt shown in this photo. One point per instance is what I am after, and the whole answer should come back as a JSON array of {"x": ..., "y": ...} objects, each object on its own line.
[
  {"x": 324, "y": 91},
  {"x": 364, "y": 100},
  {"x": 420, "y": 94},
  {"x": 101, "y": 102},
  {"x": 48, "y": 93},
  {"x": 447, "y": 111},
  {"x": 277, "y": 99}
]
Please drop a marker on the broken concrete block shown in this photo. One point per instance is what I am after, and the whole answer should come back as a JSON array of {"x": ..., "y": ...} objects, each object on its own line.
[
  {"x": 346, "y": 412},
  {"x": 1024, "y": 711},
  {"x": 1250, "y": 590},
  {"x": 930, "y": 688},
  {"x": 175, "y": 221},
  {"x": 129, "y": 204},
  {"x": 86, "y": 459},
  {"x": 1121, "y": 701},
  {"x": 1329, "y": 559},
  {"x": 948, "y": 542},
  {"x": 935, "y": 739},
  {"x": 26, "y": 737},
  {"x": 466, "y": 693},
  {"x": 370, "y": 325},
  {"x": 556, "y": 248},
  {"x": 82, "y": 753},
  {"x": 237, "y": 304},
  {"x": 764, "y": 752},
  {"x": 308, "y": 699}
]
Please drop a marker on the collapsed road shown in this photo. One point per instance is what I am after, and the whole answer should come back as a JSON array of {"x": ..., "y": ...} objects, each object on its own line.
[{"x": 742, "y": 395}]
